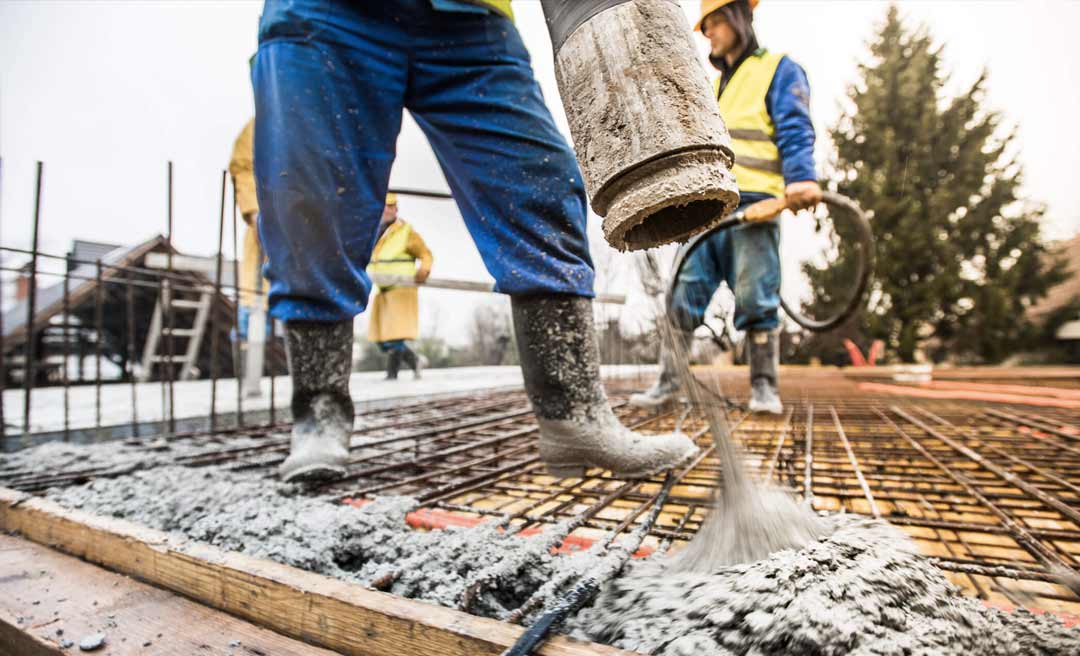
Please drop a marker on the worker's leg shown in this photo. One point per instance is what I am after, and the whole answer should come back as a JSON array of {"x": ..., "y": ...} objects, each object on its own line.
[
  {"x": 700, "y": 273},
  {"x": 756, "y": 251},
  {"x": 395, "y": 352},
  {"x": 413, "y": 361},
  {"x": 519, "y": 189},
  {"x": 329, "y": 86}
]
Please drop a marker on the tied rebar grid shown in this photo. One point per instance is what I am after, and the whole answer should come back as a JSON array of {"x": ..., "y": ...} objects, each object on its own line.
[{"x": 990, "y": 492}]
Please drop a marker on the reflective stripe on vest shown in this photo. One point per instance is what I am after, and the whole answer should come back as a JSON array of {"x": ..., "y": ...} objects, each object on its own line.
[
  {"x": 743, "y": 107},
  {"x": 391, "y": 256}
]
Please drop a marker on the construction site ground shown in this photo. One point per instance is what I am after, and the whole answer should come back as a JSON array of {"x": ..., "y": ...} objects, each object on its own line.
[{"x": 981, "y": 467}]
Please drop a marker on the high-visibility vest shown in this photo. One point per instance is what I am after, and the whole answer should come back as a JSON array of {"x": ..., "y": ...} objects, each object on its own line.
[
  {"x": 391, "y": 256},
  {"x": 742, "y": 105},
  {"x": 501, "y": 6}
]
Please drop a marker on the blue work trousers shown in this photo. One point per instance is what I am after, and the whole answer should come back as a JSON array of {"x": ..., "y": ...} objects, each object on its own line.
[
  {"x": 392, "y": 346},
  {"x": 747, "y": 258},
  {"x": 331, "y": 80}
]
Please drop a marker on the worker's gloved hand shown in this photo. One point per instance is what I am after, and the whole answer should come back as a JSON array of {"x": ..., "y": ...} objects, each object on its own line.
[
  {"x": 421, "y": 276},
  {"x": 802, "y": 195}
]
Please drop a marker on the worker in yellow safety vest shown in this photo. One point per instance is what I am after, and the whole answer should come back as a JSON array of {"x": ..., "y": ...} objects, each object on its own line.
[
  {"x": 764, "y": 99},
  {"x": 395, "y": 310}
]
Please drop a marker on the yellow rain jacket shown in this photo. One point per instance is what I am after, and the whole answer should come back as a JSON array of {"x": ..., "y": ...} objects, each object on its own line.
[
  {"x": 395, "y": 311},
  {"x": 242, "y": 170}
]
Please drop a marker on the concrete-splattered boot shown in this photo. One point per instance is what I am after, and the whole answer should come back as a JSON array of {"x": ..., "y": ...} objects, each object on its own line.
[
  {"x": 560, "y": 363},
  {"x": 764, "y": 348},
  {"x": 666, "y": 387},
  {"x": 319, "y": 359}
]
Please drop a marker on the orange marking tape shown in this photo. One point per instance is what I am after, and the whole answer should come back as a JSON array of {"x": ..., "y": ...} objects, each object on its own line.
[
  {"x": 969, "y": 395},
  {"x": 434, "y": 520},
  {"x": 1027, "y": 390}
]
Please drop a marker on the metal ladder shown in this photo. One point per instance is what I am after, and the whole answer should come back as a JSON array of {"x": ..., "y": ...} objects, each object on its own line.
[{"x": 180, "y": 307}]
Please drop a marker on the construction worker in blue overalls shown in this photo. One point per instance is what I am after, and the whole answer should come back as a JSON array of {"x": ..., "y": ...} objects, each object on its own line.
[
  {"x": 764, "y": 100},
  {"x": 331, "y": 80}
]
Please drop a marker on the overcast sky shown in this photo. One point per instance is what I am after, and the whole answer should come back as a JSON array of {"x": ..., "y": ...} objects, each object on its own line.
[{"x": 106, "y": 92}]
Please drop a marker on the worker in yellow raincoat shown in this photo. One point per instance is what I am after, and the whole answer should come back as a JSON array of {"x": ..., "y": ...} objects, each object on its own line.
[
  {"x": 253, "y": 288},
  {"x": 395, "y": 314}
]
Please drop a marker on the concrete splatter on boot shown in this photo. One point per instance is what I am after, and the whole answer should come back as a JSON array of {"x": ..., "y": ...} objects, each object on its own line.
[
  {"x": 560, "y": 363},
  {"x": 666, "y": 388},
  {"x": 764, "y": 364},
  {"x": 319, "y": 359}
]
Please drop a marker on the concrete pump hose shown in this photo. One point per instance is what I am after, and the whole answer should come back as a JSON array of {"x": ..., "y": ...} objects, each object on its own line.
[
  {"x": 854, "y": 218},
  {"x": 655, "y": 155},
  {"x": 864, "y": 238},
  {"x": 565, "y": 16}
]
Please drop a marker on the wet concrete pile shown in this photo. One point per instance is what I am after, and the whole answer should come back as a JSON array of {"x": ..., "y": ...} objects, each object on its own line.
[
  {"x": 265, "y": 518},
  {"x": 860, "y": 590},
  {"x": 108, "y": 458}
]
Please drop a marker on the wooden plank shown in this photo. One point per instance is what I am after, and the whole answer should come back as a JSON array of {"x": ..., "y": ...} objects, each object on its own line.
[
  {"x": 322, "y": 611},
  {"x": 384, "y": 280},
  {"x": 205, "y": 266},
  {"x": 47, "y": 598}
]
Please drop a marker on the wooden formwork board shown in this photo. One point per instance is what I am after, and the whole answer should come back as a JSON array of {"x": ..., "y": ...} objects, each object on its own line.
[{"x": 316, "y": 609}]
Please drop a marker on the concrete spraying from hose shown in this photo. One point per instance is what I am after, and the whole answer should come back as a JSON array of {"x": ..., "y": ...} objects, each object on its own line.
[{"x": 747, "y": 522}]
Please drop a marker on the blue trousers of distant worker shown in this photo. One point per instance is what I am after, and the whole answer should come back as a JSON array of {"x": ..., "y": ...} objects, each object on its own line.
[
  {"x": 392, "y": 346},
  {"x": 331, "y": 80},
  {"x": 747, "y": 258}
]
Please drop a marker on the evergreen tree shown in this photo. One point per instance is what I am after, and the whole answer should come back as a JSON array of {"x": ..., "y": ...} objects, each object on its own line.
[{"x": 958, "y": 252}]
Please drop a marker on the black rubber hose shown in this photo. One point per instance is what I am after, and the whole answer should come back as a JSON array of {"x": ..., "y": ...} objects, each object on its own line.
[
  {"x": 864, "y": 236},
  {"x": 565, "y": 16}
]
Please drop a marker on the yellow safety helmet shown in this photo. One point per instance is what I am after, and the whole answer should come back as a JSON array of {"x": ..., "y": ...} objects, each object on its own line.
[
  {"x": 709, "y": 6},
  {"x": 391, "y": 198}
]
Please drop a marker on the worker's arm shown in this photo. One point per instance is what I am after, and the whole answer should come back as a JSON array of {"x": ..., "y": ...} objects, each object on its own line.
[
  {"x": 419, "y": 250},
  {"x": 242, "y": 170},
  {"x": 788, "y": 103}
]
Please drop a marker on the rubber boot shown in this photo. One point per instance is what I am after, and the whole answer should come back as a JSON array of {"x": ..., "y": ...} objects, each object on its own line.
[
  {"x": 666, "y": 388},
  {"x": 560, "y": 363},
  {"x": 319, "y": 359},
  {"x": 414, "y": 362},
  {"x": 393, "y": 364},
  {"x": 764, "y": 362}
]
